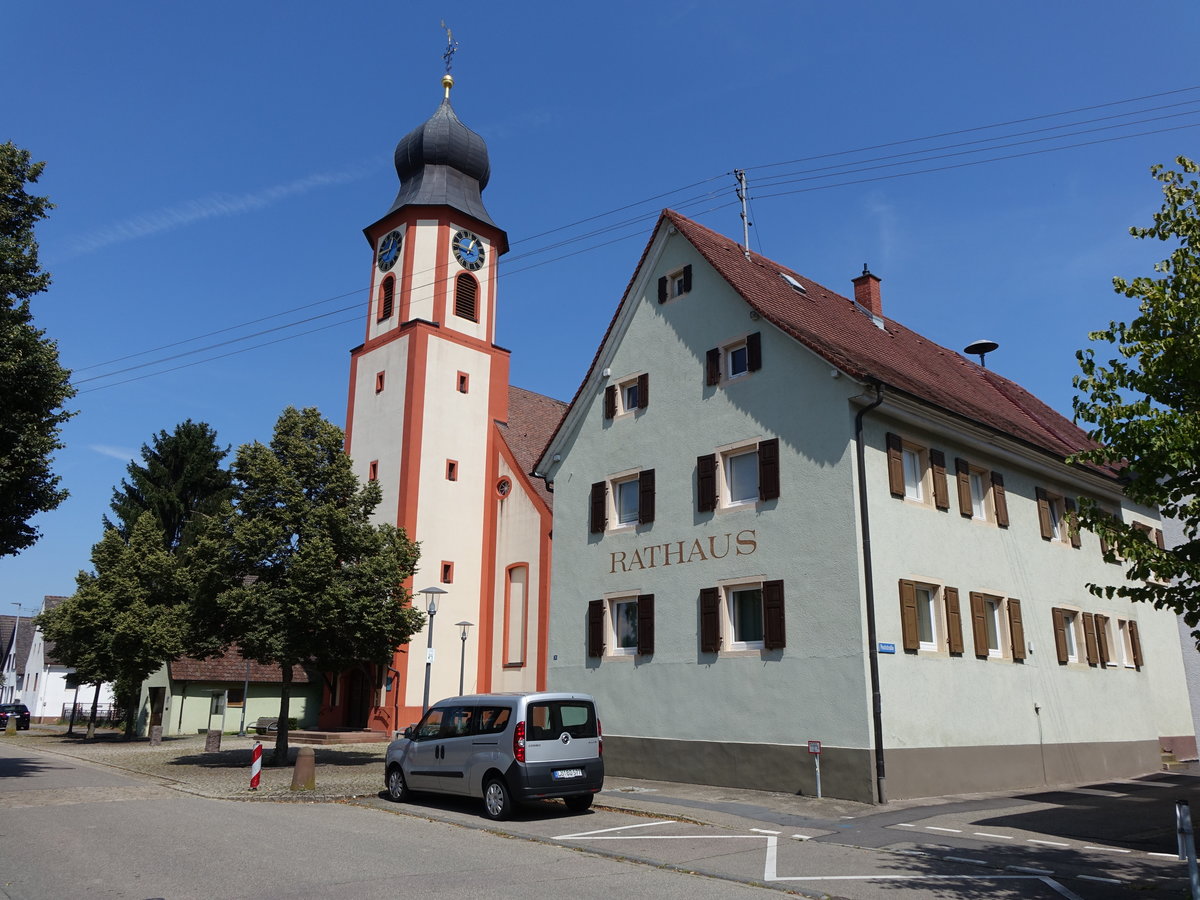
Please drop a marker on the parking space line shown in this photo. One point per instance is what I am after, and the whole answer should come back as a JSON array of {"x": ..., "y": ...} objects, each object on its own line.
[
  {"x": 765, "y": 831},
  {"x": 1048, "y": 843},
  {"x": 563, "y": 837},
  {"x": 951, "y": 830},
  {"x": 1097, "y": 878},
  {"x": 1107, "y": 849},
  {"x": 1003, "y": 837},
  {"x": 1164, "y": 855}
]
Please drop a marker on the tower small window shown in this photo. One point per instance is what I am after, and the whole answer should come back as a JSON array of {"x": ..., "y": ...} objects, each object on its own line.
[
  {"x": 387, "y": 297},
  {"x": 379, "y": 382},
  {"x": 447, "y": 573},
  {"x": 466, "y": 290},
  {"x": 451, "y": 470},
  {"x": 373, "y": 470},
  {"x": 464, "y": 382}
]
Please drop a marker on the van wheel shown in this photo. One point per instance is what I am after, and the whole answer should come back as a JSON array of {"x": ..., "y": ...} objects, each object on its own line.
[
  {"x": 578, "y": 803},
  {"x": 397, "y": 787},
  {"x": 497, "y": 802}
]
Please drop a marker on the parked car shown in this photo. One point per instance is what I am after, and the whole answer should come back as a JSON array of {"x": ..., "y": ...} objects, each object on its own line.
[
  {"x": 19, "y": 711},
  {"x": 503, "y": 748}
]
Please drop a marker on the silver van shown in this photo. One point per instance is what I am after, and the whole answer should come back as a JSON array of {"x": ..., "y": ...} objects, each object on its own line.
[{"x": 504, "y": 748}]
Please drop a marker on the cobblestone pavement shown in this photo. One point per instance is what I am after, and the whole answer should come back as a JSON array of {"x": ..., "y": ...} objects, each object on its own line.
[{"x": 342, "y": 772}]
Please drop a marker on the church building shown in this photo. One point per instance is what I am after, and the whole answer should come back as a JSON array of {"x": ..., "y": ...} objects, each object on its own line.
[{"x": 433, "y": 419}]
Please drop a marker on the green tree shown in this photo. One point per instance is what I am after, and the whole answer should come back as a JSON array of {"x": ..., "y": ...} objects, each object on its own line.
[
  {"x": 35, "y": 385},
  {"x": 127, "y": 616},
  {"x": 316, "y": 583},
  {"x": 180, "y": 480},
  {"x": 1143, "y": 407}
]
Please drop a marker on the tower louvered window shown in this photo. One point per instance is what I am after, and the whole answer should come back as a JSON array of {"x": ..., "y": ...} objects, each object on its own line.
[
  {"x": 466, "y": 290},
  {"x": 387, "y": 297}
]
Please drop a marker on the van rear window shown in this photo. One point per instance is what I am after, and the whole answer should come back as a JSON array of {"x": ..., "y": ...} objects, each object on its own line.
[{"x": 549, "y": 720}]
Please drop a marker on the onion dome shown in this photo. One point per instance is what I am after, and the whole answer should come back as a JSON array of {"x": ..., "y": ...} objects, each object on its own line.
[{"x": 443, "y": 163}]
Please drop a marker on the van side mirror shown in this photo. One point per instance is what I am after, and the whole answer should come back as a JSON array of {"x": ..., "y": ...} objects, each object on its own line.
[{"x": 409, "y": 731}]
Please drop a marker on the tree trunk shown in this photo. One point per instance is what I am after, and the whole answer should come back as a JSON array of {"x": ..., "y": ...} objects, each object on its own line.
[
  {"x": 131, "y": 711},
  {"x": 91, "y": 731},
  {"x": 285, "y": 698}
]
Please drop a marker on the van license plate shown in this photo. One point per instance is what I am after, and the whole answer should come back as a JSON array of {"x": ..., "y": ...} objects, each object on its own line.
[{"x": 568, "y": 773}]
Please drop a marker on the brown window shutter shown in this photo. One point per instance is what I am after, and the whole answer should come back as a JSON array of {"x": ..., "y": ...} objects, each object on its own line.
[
  {"x": 645, "y": 618},
  {"x": 908, "y": 615},
  {"x": 610, "y": 401},
  {"x": 774, "y": 629},
  {"x": 646, "y": 496},
  {"x": 712, "y": 366},
  {"x": 895, "y": 458},
  {"x": 687, "y": 278},
  {"x": 1159, "y": 541},
  {"x": 1102, "y": 639},
  {"x": 595, "y": 628},
  {"x": 706, "y": 482},
  {"x": 1089, "y": 638},
  {"x": 1016, "y": 628},
  {"x": 710, "y": 620},
  {"x": 768, "y": 469},
  {"x": 999, "y": 500},
  {"x": 643, "y": 390},
  {"x": 962, "y": 472},
  {"x": 954, "y": 639},
  {"x": 1135, "y": 642},
  {"x": 978, "y": 624},
  {"x": 1060, "y": 634},
  {"x": 599, "y": 517},
  {"x": 941, "y": 494},
  {"x": 1072, "y": 522},
  {"x": 754, "y": 351},
  {"x": 662, "y": 289},
  {"x": 1043, "y": 505}
]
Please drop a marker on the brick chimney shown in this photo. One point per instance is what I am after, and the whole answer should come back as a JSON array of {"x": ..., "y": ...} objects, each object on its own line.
[{"x": 866, "y": 292}]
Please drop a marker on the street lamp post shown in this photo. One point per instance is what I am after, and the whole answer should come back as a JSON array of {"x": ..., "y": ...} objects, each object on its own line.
[
  {"x": 431, "y": 606},
  {"x": 464, "y": 627}
]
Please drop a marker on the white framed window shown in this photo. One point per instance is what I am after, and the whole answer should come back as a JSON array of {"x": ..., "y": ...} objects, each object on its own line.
[
  {"x": 629, "y": 396},
  {"x": 993, "y": 612},
  {"x": 928, "y": 614},
  {"x": 677, "y": 284},
  {"x": 980, "y": 494},
  {"x": 1071, "y": 627},
  {"x": 740, "y": 471},
  {"x": 623, "y": 626},
  {"x": 1052, "y": 518},
  {"x": 744, "y": 608},
  {"x": 914, "y": 472},
  {"x": 625, "y": 499},
  {"x": 737, "y": 360}
]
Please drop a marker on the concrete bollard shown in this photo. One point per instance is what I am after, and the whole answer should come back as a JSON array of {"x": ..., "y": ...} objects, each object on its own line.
[
  {"x": 10, "y": 730},
  {"x": 212, "y": 740},
  {"x": 304, "y": 775},
  {"x": 155, "y": 734}
]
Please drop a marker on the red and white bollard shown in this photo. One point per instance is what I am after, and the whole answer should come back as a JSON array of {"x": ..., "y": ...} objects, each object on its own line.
[{"x": 255, "y": 766}]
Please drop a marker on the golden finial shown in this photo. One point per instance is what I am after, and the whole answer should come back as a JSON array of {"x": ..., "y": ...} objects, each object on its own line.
[{"x": 447, "y": 83}]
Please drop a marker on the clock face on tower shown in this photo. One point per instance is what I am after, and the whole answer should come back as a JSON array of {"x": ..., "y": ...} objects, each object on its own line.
[
  {"x": 389, "y": 251},
  {"x": 468, "y": 250}
]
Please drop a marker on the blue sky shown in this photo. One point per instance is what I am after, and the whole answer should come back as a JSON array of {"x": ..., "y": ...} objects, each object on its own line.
[{"x": 214, "y": 164}]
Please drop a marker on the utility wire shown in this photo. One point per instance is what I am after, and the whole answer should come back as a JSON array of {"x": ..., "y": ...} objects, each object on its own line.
[{"x": 771, "y": 181}]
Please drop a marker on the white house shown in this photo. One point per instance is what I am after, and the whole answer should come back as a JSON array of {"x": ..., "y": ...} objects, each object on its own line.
[
  {"x": 45, "y": 690},
  {"x": 781, "y": 517}
]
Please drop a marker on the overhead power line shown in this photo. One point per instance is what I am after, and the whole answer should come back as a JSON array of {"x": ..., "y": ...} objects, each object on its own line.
[{"x": 639, "y": 223}]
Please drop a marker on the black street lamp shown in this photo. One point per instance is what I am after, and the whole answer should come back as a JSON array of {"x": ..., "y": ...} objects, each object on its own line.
[
  {"x": 464, "y": 627},
  {"x": 431, "y": 607}
]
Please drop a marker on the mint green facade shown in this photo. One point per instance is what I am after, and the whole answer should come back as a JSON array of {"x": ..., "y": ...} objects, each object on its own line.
[{"x": 951, "y": 722}]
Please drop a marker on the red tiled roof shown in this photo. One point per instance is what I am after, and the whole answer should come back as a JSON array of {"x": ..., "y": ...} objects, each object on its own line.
[
  {"x": 532, "y": 419},
  {"x": 232, "y": 668},
  {"x": 844, "y": 334}
]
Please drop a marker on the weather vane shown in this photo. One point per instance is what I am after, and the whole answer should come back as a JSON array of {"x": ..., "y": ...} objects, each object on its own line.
[{"x": 451, "y": 47}]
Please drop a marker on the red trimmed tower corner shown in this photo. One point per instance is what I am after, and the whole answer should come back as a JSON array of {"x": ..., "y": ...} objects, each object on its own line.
[{"x": 429, "y": 386}]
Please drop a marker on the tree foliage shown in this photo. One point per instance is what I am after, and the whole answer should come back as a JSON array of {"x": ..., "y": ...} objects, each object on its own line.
[
  {"x": 1143, "y": 407},
  {"x": 316, "y": 583},
  {"x": 35, "y": 385},
  {"x": 179, "y": 481},
  {"x": 127, "y": 616}
]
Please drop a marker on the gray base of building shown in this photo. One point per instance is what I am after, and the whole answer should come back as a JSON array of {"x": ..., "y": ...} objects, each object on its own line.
[{"x": 849, "y": 773}]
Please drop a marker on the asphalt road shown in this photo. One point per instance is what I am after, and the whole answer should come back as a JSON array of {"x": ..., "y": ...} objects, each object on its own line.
[{"x": 71, "y": 829}]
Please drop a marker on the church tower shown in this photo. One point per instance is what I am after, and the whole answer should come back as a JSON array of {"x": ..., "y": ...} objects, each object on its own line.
[{"x": 432, "y": 418}]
